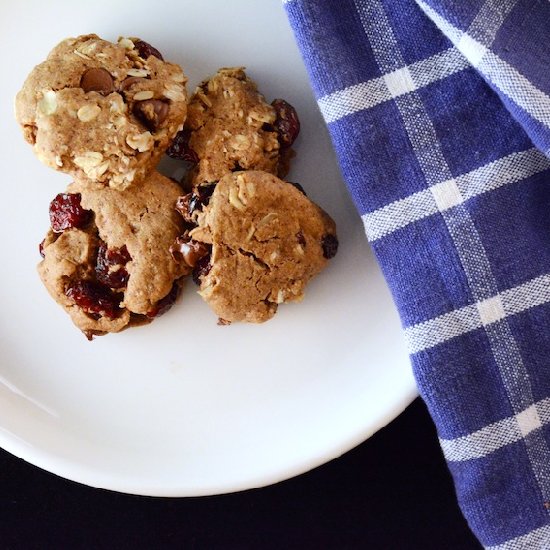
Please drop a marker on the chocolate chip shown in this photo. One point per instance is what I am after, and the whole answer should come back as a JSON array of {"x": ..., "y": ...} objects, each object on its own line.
[
  {"x": 189, "y": 251},
  {"x": 183, "y": 207},
  {"x": 330, "y": 246},
  {"x": 145, "y": 50},
  {"x": 152, "y": 112},
  {"x": 97, "y": 80}
]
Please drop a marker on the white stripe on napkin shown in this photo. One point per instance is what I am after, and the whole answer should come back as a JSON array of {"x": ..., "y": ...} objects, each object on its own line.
[
  {"x": 510, "y": 169},
  {"x": 535, "y": 540},
  {"x": 497, "y": 435},
  {"x": 489, "y": 19},
  {"x": 366, "y": 95},
  {"x": 515, "y": 300}
]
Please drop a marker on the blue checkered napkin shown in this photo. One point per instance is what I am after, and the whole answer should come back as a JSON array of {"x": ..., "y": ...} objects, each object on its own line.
[{"x": 439, "y": 150}]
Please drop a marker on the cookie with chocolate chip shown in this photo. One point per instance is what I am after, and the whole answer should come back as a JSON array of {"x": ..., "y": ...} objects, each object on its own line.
[
  {"x": 107, "y": 257},
  {"x": 230, "y": 126},
  {"x": 102, "y": 111},
  {"x": 258, "y": 242}
]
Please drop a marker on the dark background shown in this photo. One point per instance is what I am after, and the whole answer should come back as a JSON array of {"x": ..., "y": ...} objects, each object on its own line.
[{"x": 391, "y": 492}]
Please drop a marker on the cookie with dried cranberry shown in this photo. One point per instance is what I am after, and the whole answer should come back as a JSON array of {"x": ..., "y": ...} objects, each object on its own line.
[
  {"x": 258, "y": 242},
  {"x": 107, "y": 257},
  {"x": 102, "y": 111},
  {"x": 230, "y": 126}
]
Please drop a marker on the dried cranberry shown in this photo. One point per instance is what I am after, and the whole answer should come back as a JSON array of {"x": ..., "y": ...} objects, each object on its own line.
[
  {"x": 110, "y": 264},
  {"x": 179, "y": 148},
  {"x": 330, "y": 246},
  {"x": 186, "y": 205},
  {"x": 287, "y": 122},
  {"x": 145, "y": 50},
  {"x": 201, "y": 269},
  {"x": 298, "y": 186},
  {"x": 66, "y": 212},
  {"x": 204, "y": 193},
  {"x": 95, "y": 299},
  {"x": 41, "y": 249},
  {"x": 165, "y": 303}
]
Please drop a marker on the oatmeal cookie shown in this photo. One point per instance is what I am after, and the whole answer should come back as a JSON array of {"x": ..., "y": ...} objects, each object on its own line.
[
  {"x": 258, "y": 242},
  {"x": 102, "y": 111},
  {"x": 106, "y": 257},
  {"x": 230, "y": 127}
]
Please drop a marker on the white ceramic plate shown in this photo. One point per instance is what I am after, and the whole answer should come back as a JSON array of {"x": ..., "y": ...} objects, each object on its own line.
[{"x": 184, "y": 407}]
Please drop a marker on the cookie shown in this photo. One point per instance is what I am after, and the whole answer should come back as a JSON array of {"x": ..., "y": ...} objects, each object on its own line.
[
  {"x": 258, "y": 242},
  {"x": 230, "y": 127},
  {"x": 102, "y": 111},
  {"x": 106, "y": 257}
]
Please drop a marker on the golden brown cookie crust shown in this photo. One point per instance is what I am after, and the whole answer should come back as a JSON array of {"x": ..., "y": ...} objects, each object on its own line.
[
  {"x": 113, "y": 136},
  {"x": 231, "y": 128},
  {"x": 141, "y": 218},
  {"x": 267, "y": 243}
]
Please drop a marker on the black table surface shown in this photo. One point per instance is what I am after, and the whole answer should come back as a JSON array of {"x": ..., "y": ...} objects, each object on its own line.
[{"x": 392, "y": 492}]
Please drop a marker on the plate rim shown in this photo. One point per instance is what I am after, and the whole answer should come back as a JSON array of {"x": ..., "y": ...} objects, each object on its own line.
[{"x": 56, "y": 464}]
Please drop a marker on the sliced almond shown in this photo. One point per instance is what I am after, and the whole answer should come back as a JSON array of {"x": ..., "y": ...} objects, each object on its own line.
[
  {"x": 178, "y": 76},
  {"x": 250, "y": 234},
  {"x": 88, "y": 112},
  {"x": 143, "y": 95},
  {"x": 140, "y": 73},
  {"x": 280, "y": 296},
  {"x": 126, "y": 43},
  {"x": 140, "y": 142},
  {"x": 268, "y": 218},
  {"x": 174, "y": 91},
  {"x": 48, "y": 104},
  {"x": 234, "y": 199},
  {"x": 89, "y": 159}
]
